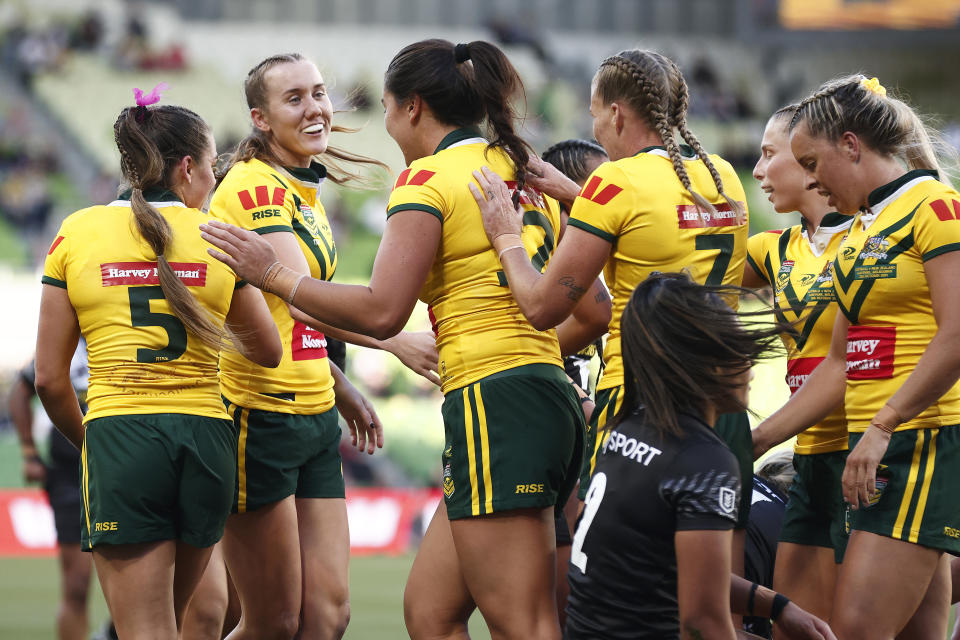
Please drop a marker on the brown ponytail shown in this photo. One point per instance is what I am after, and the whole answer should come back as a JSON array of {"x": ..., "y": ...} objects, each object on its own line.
[
  {"x": 151, "y": 144},
  {"x": 464, "y": 85},
  {"x": 257, "y": 143}
]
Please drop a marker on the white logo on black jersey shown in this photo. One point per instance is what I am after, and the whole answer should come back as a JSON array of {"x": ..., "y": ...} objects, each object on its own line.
[{"x": 728, "y": 499}]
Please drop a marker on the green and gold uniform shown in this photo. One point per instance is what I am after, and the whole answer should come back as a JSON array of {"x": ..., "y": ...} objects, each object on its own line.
[
  {"x": 295, "y": 452},
  {"x": 799, "y": 267},
  {"x": 513, "y": 423},
  {"x": 882, "y": 289},
  {"x": 639, "y": 206},
  {"x": 157, "y": 458}
]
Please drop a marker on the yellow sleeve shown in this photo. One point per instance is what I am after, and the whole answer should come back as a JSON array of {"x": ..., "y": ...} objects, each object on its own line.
[
  {"x": 55, "y": 265},
  {"x": 261, "y": 205},
  {"x": 417, "y": 190},
  {"x": 602, "y": 208},
  {"x": 758, "y": 247},
  {"x": 936, "y": 226}
]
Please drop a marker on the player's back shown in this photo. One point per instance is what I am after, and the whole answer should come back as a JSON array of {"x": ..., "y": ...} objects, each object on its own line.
[{"x": 141, "y": 357}]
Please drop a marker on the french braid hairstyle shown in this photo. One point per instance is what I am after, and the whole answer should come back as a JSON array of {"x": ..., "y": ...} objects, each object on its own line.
[
  {"x": 570, "y": 157},
  {"x": 655, "y": 89},
  {"x": 464, "y": 85},
  {"x": 257, "y": 143},
  {"x": 883, "y": 122},
  {"x": 152, "y": 141}
]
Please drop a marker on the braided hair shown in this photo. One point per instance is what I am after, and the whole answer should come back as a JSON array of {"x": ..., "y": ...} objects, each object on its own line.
[
  {"x": 883, "y": 122},
  {"x": 655, "y": 89}
]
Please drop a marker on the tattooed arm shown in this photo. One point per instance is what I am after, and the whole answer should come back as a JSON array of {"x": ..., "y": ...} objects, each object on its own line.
[{"x": 546, "y": 300}]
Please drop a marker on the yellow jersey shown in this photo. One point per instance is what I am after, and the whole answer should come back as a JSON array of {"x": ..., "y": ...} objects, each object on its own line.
[
  {"x": 883, "y": 292},
  {"x": 142, "y": 359},
  {"x": 479, "y": 327},
  {"x": 257, "y": 196},
  {"x": 639, "y": 206},
  {"x": 799, "y": 267}
]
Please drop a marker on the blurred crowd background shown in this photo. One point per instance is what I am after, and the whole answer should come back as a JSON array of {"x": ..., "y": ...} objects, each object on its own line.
[{"x": 69, "y": 66}]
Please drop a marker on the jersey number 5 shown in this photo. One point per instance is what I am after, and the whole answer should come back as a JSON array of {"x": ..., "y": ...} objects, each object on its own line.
[
  {"x": 725, "y": 243},
  {"x": 142, "y": 316},
  {"x": 598, "y": 485}
]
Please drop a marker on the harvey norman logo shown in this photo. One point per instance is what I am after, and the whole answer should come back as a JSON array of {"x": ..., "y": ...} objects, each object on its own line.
[
  {"x": 870, "y": 352},
  {"x": 113, "y": 274}
]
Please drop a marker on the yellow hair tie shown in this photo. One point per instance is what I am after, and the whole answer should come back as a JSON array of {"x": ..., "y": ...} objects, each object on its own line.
[{"x": 873, "y": 86}]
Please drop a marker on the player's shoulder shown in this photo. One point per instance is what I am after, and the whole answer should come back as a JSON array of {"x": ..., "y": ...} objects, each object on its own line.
[{"x": 432, "y": 170}]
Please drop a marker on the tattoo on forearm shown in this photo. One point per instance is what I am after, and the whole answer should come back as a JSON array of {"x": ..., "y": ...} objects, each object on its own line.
[
  {"x": 575, "y": 292},
  {"x": 694, "y": 633}
]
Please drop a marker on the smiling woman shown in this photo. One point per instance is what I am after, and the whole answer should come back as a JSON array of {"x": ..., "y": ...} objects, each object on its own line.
[{"x": 289, "y": 480}]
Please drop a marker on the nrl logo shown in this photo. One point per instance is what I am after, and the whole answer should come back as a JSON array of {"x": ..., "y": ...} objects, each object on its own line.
[
  {"x": 448, "y": 488},
  {"x": 728, "y": 499},
  {"x": 783, "y": 275}
]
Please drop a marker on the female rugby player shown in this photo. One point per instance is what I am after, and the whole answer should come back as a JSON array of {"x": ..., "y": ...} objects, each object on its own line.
[{"x": 157, "y": 449}]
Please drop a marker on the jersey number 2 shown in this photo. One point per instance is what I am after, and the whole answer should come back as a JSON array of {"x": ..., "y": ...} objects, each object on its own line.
[
  {"x": 142, "y": 316},
  {"x": 725, "y": 243},
  {"x": 598, "y": 485}
]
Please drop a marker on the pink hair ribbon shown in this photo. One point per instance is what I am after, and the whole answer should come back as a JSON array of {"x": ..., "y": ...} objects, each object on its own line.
[{"x": 151, "y": 98}]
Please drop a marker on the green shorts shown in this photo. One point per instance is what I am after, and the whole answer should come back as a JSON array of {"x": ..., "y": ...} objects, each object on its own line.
[
  {"x": 815, "y": 514},
  {"x": 734, "y": 429},
  {"x": 514, "y": 440},
  {"x": 155, "y": 477},
  {"x": 916, "y": 490},
  {"x": 607, "y": 404},
  {"x": 283, "y": 454}
]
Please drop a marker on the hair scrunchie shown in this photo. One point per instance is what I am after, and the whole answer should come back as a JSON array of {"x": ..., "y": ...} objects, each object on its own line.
[
  {"x": 461, "y": 53},
  {"x": 144, "y": 100}
]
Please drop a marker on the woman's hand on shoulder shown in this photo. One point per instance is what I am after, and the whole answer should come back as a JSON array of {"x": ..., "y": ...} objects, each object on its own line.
[
  {"x": 248, "y": 254},
  {"x": 545, "y": 177},
  {"x": 501, "y": 216}
]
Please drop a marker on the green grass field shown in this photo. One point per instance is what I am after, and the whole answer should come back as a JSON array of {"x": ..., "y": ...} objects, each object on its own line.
[{"x": 28, "y": 596}]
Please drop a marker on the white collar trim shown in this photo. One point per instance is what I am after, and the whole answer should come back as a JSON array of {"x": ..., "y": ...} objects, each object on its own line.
[
  {"x": 166, "y": 203},
  {"x": 868, "y": 216}
]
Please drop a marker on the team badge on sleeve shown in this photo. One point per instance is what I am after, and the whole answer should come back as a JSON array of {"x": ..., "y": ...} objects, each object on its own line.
[{"x": 727, "y": 499}]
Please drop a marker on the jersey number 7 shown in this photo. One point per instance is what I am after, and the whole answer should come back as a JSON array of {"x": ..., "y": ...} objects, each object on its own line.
[{"x": 724, "y": 242}]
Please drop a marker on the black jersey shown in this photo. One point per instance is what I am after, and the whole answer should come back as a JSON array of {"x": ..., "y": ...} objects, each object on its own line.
[{"x": 645, "y": 488}]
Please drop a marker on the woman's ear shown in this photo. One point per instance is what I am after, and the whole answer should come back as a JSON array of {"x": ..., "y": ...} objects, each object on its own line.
[
  {"x": 259, "y": 119},
  {"x": 617, "y": 116},
  {"x": 414, "y": 108},
  {"x": 183, "y": 171},
  {"x": 849, "y": 145}
]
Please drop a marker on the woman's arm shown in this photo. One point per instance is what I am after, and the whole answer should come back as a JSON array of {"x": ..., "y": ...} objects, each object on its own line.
[
  {"x": 937, "y": 370},
  {"x": 589, "y": 320},
  {"x": 751, "y": 280},
  {"x": 58, "y": 333},
  {"x": 750, "y": 599},
  {"x": 380, "y": 309},
  {"x": 366, "y": 430},
  {"x": 546, "y": 300},
  {"x": 820, "y": 394},
  {"x": 703, "y": 584},
  {"x": 250, "y": 321}
]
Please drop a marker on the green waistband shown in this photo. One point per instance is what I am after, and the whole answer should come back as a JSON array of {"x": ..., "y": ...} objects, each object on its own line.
[{"x": 535, "y": 370}]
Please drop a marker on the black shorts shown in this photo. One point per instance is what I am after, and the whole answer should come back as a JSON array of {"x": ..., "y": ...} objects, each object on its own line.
[{"x": 63, "y": 491}]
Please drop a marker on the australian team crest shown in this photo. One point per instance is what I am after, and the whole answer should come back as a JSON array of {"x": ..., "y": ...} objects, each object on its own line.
[
  {"x": 783, "y": 275},
  {"x": 308, "y": 214},
  {"x": 875, "y": 247}
]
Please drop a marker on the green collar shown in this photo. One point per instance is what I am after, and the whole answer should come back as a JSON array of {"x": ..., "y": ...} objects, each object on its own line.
[
  {"x": 458, "y": 135},
  {"x": 153, "y": 194},
  {"x": 312, "y": 174},
  {"x": 832, "y": 219},
  {"x": 685, "y": 150},
  {"x": 882, "y": 193}
]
